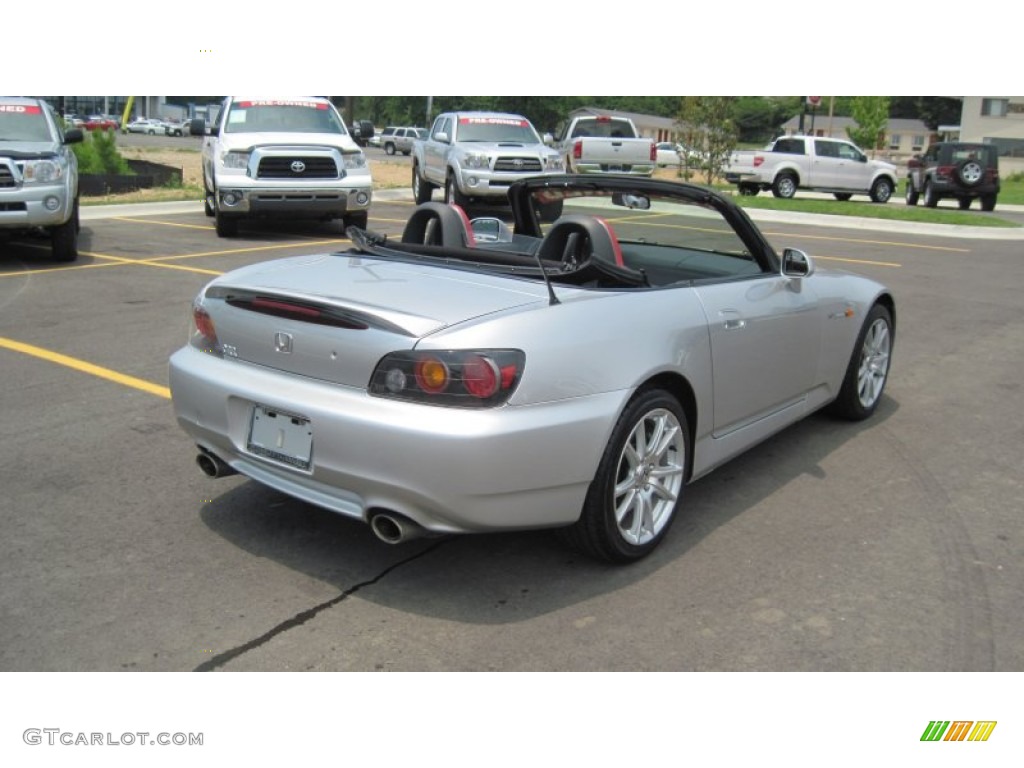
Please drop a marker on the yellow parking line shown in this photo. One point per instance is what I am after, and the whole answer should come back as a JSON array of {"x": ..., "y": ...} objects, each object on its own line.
[
  {"x": 84, "y": 367},
  {"x": 862, "y": 241},
  {"x": 816, "y": 257},
  {"x": 161, "y": 223}
]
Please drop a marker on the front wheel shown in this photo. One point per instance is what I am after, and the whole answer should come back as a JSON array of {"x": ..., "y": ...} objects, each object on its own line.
[
  {"x": 226, "y": 224},
  {"x": 638, "y": 488},
  {"x": 881, "y": 191},
  {"x": 868, "y": 369},
  {"x": 911, "y": 193},
  {"x": 389, "y": 149},
  {"x": 64, "y": 237},
  {"x": 452, "y": 195},
  {"x": 358, "y": 219},
  {"x": 421, "y": 189},
  {"x": 784, "y": 186}
]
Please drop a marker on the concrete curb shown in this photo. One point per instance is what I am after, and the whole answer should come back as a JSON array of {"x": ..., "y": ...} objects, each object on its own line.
[{"x": 92, "y": 213}]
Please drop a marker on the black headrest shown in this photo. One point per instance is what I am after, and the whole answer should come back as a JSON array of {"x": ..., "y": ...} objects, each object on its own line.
[
  {"x": 438, "y": 224},
  {"x": 587, "y": 236}
]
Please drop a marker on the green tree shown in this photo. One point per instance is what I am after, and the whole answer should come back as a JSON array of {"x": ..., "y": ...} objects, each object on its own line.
[
  {"x": 871, "y": 114},
  {"x": 707, "y": 124}
]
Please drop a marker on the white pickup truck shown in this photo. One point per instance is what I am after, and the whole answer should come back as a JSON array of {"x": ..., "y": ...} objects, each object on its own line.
[
  {"x": 604, "y": 144},
  {"x": 811, "y": 162},
  {"x": 286, "y": 158}
]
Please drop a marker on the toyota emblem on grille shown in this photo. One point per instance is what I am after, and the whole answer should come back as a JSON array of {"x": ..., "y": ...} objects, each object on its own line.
[
  {"x": 298, "y": 166},
  {"x": 518, "y": 162}
]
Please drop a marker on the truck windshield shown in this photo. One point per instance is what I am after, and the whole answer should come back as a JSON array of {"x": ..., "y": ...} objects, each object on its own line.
[
  {"x": 20, "y": 122},
  {"x": 285, "y": 116},
  {"x": 604, "y": 127},
  {"x": 499, "y": 129}
]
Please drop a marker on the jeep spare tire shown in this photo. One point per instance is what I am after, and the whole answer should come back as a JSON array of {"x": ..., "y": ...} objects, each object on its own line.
[{"x": 970, "y": 173}]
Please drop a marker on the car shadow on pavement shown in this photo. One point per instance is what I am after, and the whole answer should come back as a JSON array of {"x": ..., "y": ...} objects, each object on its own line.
[{"x": 510, "y": 577}]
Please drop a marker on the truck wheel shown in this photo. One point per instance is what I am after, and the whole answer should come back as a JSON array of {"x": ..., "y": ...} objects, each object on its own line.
[
  {"x": 227, "y": 225},
  {"x": 208, "y": 198},
  {"x": 881, "y": 191},
  {"x": 911, "y": 192},
  {"x": 784, "y": 186},
  {"x": 389, "y": 149},
  {"x": 64, "y": 238},
  {"x": 452, "y": 195},
  {"x": 988, "y": 202},
  {"x": 930, "y": 198},
  {"x": 359, "y": 219},
  {"x": 842, "y": 196},
  {"x": 421, "y": 189},
  {"x": 749, "y": 190}
]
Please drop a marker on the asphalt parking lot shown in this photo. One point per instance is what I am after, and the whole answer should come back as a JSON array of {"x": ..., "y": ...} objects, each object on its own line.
[{"x": 895, "y": 544}]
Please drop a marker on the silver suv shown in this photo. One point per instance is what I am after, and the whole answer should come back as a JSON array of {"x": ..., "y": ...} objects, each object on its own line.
[
  {"x": 38, "y": 174},
  {"x": 401, "y": 139}
]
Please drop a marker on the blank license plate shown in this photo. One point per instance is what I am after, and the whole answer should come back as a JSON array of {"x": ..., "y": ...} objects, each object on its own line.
[
  {"x": 283, "y": 437},
  {"x": 615, "y": 168}
]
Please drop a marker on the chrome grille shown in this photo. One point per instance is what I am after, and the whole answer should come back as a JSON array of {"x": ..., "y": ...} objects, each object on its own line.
[
  {"x": 6, "y": 177},
  {"x": 281, "y": 168},
  {"x": 517, "y": 164}
]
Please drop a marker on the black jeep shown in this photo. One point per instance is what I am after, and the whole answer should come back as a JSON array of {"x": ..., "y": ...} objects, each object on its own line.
[{"x": 954, "y": 169}]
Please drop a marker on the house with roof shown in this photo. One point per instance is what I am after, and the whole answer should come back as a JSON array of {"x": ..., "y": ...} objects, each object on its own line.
[{"x": 996, "y": 120}]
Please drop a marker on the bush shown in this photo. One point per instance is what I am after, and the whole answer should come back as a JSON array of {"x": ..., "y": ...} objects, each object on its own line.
[{"x": 98, "y": 155}]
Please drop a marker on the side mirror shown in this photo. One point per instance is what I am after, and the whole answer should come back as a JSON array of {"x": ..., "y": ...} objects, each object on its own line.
[
  {"x": 73, "y": 136},
  {"x": 197, "y": 127},
  {"x": 490, "y": 230},
  {"x": 548, "y": 139},
  {"x": 441, "y": 136},
  {"x": 796, "y": 263}
]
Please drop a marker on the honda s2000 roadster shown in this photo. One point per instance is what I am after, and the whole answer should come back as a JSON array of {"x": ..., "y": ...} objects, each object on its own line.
[{"x": 477, "y": 376}]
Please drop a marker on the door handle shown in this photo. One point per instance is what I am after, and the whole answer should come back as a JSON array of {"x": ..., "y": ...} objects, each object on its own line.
[{"x": 734, "y": 324}]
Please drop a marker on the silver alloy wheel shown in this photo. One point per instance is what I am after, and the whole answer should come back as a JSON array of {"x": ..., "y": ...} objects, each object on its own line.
[
  {"x": 874, "y": 363},
  {"x": 649, "y": 476},
  {"x": 971, "y": 172},
  {"x": 786, "y": 187}
]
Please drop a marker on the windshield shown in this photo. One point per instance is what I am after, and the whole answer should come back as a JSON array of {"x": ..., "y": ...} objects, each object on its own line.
[
  {"x": 498, "y": 129},
  {"x": 604, "y": 127},
  {"x": 22, "y": 122},
  {"x": 283, "y": 116}
]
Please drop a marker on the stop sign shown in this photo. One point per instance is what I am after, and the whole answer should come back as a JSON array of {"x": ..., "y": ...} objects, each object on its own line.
[{"x": 814, "y": 101}]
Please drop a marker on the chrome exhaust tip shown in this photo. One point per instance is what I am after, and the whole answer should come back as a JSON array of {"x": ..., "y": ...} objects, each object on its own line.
[
  {"x": 395, "y": 529},
  {"x": 213, "y": 466}
]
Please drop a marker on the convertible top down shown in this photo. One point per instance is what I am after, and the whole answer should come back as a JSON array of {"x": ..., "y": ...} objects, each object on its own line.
[{"x": 482, "y": 376}]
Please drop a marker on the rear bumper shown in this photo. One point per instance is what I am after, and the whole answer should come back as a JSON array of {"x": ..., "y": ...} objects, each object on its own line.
[{"x": 447, "y": 469}]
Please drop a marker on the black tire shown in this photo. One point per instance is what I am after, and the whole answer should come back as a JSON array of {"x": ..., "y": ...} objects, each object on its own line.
[
  {"x": 421, "y": 188},
  {"x": 928, "y": 197},
  {"x": 550, "y": 211},
  {"x": 988, "y": 202},
  {"x": 912, "y": 195},
  {"x": 784, "y": 186},
  {"x": 358, "y": 219},
  {"x": 842, "y": 196},
  {"x": 226, "y": 224},
  {"x": 452, "y": 195},
  {"x": 406, "y": 152},
  {"x": 868, "y": 369},
  {"x": 749, "y": 190},
  {"x": 64, "y": 237},
  {"x": 970, "y": 173},
  {"x": 389, "y": 148},
  {"x": 881, "y": 190},
  {"x": 964, "y": 203},
  {"x": 633, "y": 499},
  {"x": 208, "y": 199}
]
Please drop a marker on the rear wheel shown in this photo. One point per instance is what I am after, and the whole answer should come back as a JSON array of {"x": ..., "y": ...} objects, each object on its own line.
[
  {"x": 64, "y": 237},
  {"x": 911, "y": 192},
  {"x": 842, "y": 196},
  {"x": 930, "y": 199},
  {"x": 638, "y": 488},
  {"x": 868, "y": 369},
  {"x": 421, "y": 189},
  {"x": 881, "y": 191},
  {"x": 784, "y": 186}
]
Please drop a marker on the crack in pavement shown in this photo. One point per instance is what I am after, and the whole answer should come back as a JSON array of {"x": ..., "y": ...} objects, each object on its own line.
[{"x": 302, "y": 617}]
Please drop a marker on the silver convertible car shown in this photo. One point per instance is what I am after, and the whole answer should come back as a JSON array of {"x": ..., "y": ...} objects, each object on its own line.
[{"x": 480, "y": 376}]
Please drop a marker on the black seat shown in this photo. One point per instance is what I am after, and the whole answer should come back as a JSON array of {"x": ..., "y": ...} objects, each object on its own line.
[
  {"x": 576, "y": 238},
  {"x": 439, "y": 224}
]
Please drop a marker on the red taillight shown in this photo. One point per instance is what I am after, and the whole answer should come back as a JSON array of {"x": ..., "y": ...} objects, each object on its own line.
[
  {"x": 654, "y": 152},
  {"x": 204, "y": 324},
  {"x": 480, "y": 377},
  {"x": 603, "y": 119},
  {"x": 577, "y": 150},
  {"x": 758, "y": 161}
]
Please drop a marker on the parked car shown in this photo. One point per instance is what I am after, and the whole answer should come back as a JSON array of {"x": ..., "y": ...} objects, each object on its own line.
[
  {"x": 811, "y": 162},
  {"x": 474, "y": 377},
  {"x": 100, "y": 123},
  {"x": 672, "y": 153},
  {"x": 401, "y": 139},
  {"x": 177, "y": 128},
  {"x": 604, "y": 144},
  {"x": 145, "y": 125},
  {"x": 71, "y": 120},
  {"x": 961, "y": 170},
  {"x": 385, "y": 134},
  {"x": 39, "y": 174}
]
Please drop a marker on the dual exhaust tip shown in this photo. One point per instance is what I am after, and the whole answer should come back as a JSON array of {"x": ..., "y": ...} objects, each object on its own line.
[{"x": 389, "y": 527}]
